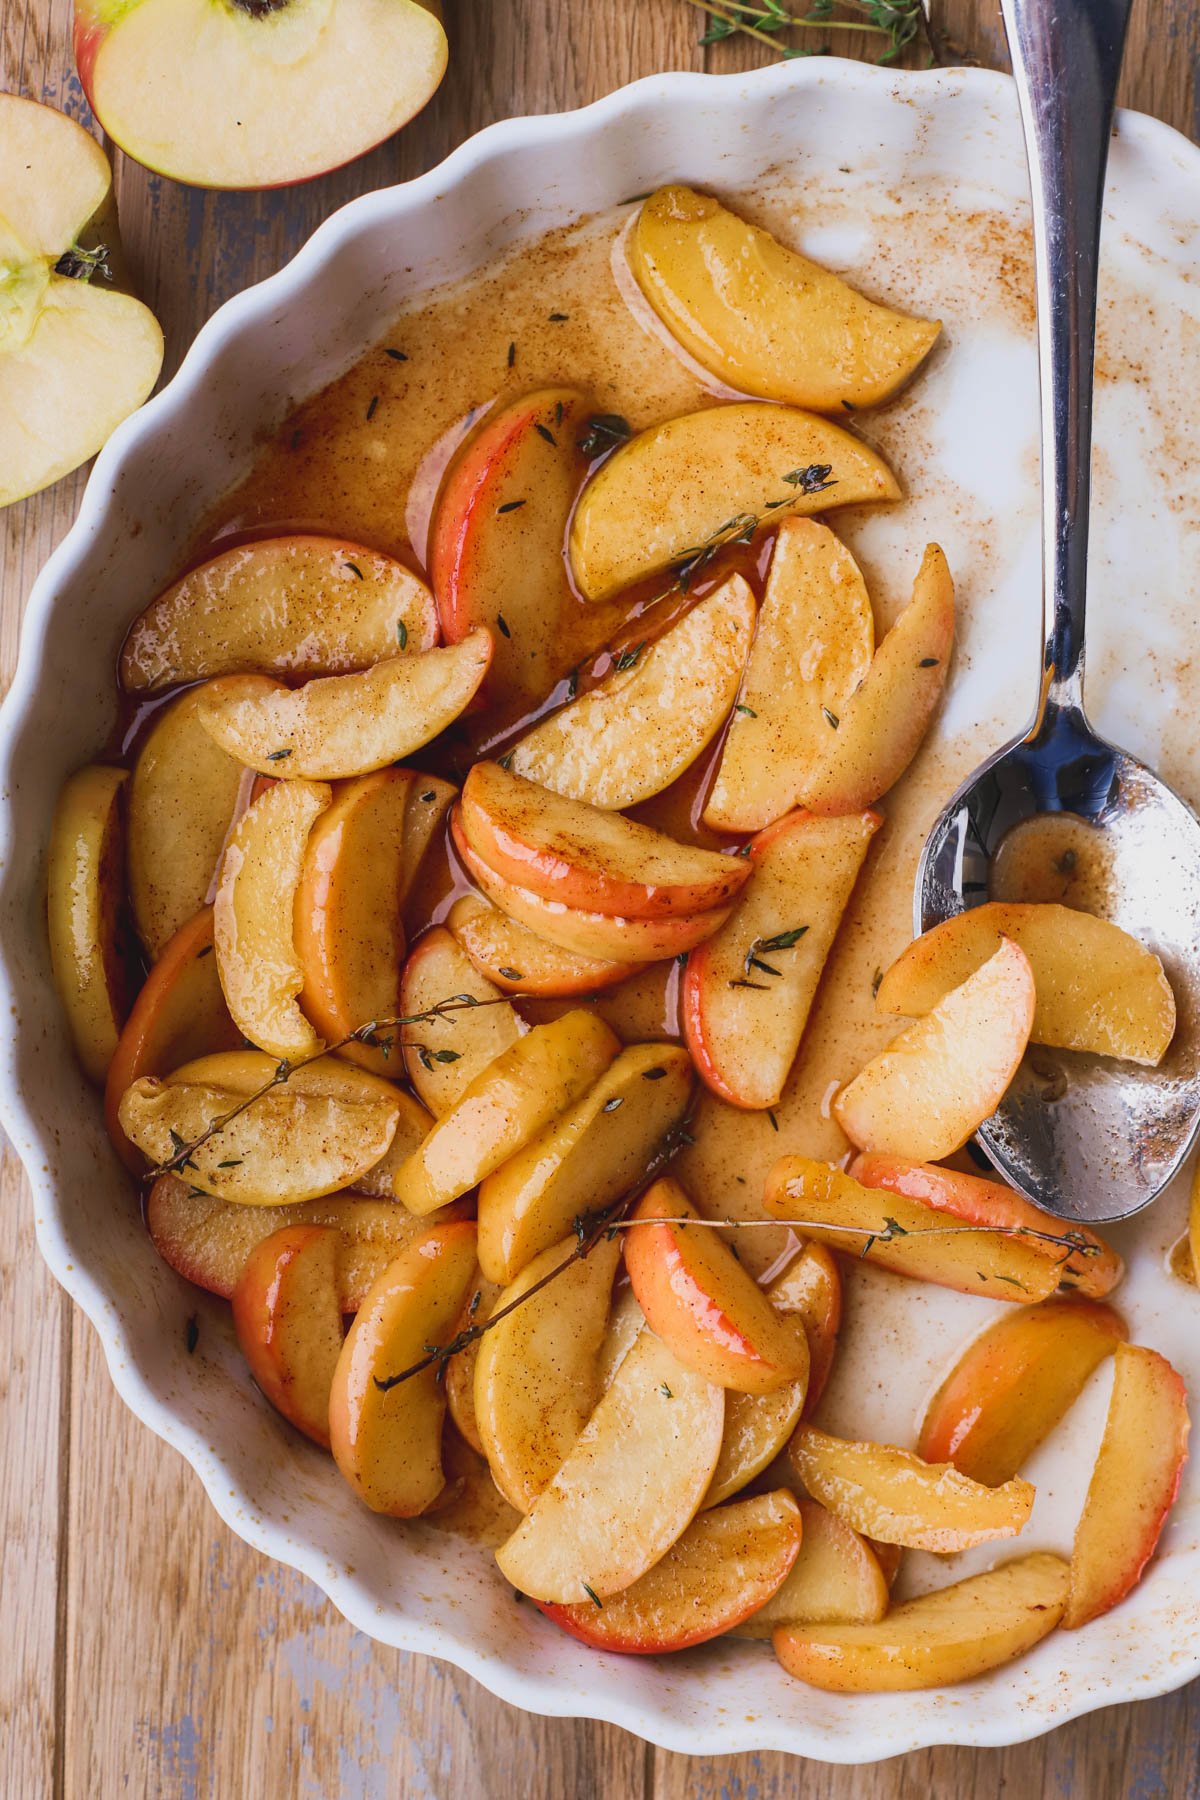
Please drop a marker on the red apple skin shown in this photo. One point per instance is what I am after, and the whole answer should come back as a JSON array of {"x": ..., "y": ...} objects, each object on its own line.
[{"x": 262, "y": 1303}]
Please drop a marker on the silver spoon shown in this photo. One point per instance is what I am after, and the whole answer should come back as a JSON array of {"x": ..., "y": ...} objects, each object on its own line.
[{"x": 1084, "y": 1136}]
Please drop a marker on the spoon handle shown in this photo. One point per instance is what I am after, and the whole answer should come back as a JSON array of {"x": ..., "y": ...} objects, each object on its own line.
[{"x": 1066, "y": 58}]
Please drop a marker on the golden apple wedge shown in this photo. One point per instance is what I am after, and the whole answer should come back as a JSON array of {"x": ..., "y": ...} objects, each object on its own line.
[
  {"x": 812, "y": 648},
  {"x": 812, "y": 1287},
  {"x": 288, "y": 1323},
  {"x": 460, "y": 1371},
  {"x": 599, "y": 1149},
  {"x": 412, "y": 1127},
  {"x": 748, "y": 990},
  {"x": 936, "y": 1083},
  {"x": 953, "y": 1635},
  {"x": 674, "y": 488},
  {"x": 537, "y": 1374},
  {"x": 442, "y": 1056},
  {"x": 506, "y": 1106},
  {"x": 757, "y": 1426},
  {"x": 630, "y": 1487},
  {"x": 763, "y": 318},
  {"x": 651, "y": 717},
  {"x": 879, "y": 730},
  {"x": 518, "y": 962},
  {"x": 89, "y": 947},
  {"x": 1012, "y": 1385},
  {"x": 836, "y": 1579},
  {"x": 725, "y": 1565},
  {"x": 891, "y": 1494},
  {"x": 341, "y": 725},
  {"x": 387, "y": 1440},
  {"x": 1098, "y": 989},
  {"x": 626, "y": 1321},
  {"x": 1133, "y": 1484}
]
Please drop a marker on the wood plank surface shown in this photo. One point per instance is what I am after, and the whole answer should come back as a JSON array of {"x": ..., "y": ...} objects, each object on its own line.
[{"x": 145, "y": 1650}]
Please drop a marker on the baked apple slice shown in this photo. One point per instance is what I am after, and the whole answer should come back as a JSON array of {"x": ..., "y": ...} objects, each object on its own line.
[
  {"x": 342, "y": 725},
  {"x": 748, "y": 990},
  {"x": 637, "y": 730},
  {"x": 625, "y": 1323},
  {"x": 89, "y": 949},
  {"x": 460, "y": 1371},
  {"x": 757, "y": 1427},
  {"x": 763, "y": 318},
  {"x": 288, "y": 1323},
  {"x": 442, "y": 1056},
  {"x": 673, "y": 491},
  {"x": 518, "y": 962},
  {"x": 812, "y": 1287},
  {"x": 836, "y": 1579}
]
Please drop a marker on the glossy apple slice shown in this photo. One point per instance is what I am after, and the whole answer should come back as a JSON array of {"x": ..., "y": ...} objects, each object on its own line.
[
  {"x": 1012, "y": 1385},
  {"x": 342, "y": 725},
  {"x": 763, "y": 318},
  {"x": 836, "y": 1579},
  {"x": 412, "y": 1128},
  {"x": 600, "y": 1148},
  {"x": 470, "y": 1505},
  {"x": 935, "y": 1084},
  {"x": 812, "y": 1287},
  {"x": 648, "y": 720},
  {"x": 443, "y": 1056},
  {"x": 630, "y": 1487},
  {"x": 748, "y": 990},
  {"x": 725, "y": 1565},
  {"x": 1098, "y": 989},
  {"x": 89, "y": 951},
  {"x": 518, "y": 962},
  {"x": 1133, "y": 1485},
  {"x": 954, "y": 1635},
  {"x": 757, "y": 1426},
  {"x": 387, "y": 1441},
  {"x": 288, "y": 1324},
  {"x": 812, "y": 648},
  {"x": 625, "y": 1322},
  {"x": 672, "y": 489},
  {"x": 460, "y": 1369}
]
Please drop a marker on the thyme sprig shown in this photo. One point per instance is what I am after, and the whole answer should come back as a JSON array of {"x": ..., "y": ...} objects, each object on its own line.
[
  {"x": 814, "y": 478},
  {"x": 897, "y": 26}
]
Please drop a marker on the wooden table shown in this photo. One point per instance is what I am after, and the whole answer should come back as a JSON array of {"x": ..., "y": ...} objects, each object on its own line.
[{"x": 144, "y": 1650}]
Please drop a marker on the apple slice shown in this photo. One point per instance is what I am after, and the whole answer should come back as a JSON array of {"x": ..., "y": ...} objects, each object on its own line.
[
  {"x": 699, "y": 1299},
  {"x": 675, "y": 489},
  {"x": 311, "y": 1135},
  {"x": 811, "y": 650},
  {"x": 954, "y": 1635},
  {"x": 443, "y": 1056},
  {"x": 1098, "y": 989},
  {"x": 77, "y": 354},
  {"x": 412, "y": 1128},
  {"x": 625, "y": 1323},
  {"x": 1133, "y": 1485},
  {"x": 460, "y": 1369},
  {"x": 342, "y": 725},
  {"x": 537, "y": 1377},
  {"x": 748, "y": 991},
  {"x": 289, "y": 1327},
  {"x": 906, "y": 1236},
  {"x": 630, "y": 1487},
  {"x": 763, "y": 318},
  {"x": 470, "y": 1505},
  {"x": 518, "y": 962},
  {"x": 579, "y": 855},
  {"x": 879, "y": 730},
  {"x": 890, "y": 1494},
  {"x": 647, "y": 721},
  {"x": 90, "y": 954},
  {"x": 1092, "y": 1267},
  {"x": 497, "y": 533},
  {"x": 601, "y": 1148},
  {"x": 726, "y": 1564},
  {"x": 387, "y": 1441},
  {"x": 506, "y": 1106},
  {"x": 271, "y": 95},
  {"x": 1012, "y": 1385},
  {"x": 757, "y": 1426},
  {"x": 836, "y": 1579},
  {"x": 812, "y": 1287},
  {"x": 183, "y": 795},
  {"x": 935, "y": 1084}
]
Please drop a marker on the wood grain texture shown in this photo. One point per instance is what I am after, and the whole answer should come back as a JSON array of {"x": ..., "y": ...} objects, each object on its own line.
[{"x": 146, "y": 1651}]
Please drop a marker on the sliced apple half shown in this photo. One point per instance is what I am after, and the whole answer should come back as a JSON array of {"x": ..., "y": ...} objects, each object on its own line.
[
  {"x": 935, "y": 1084},
  {"x": 630, "y": 1487},
  {"x": 1098, "y": 989},
  {"x": 1012, "y": 1385},
  {"x": 249, "y": 69},
  {"x": 892, "y": 1495},
  {"x": 575, "y": 854},
  {"x": 675, "y": 489},
  {"x": 953, "y": 1635},
  {"x": 647, "y": 721},
  {"x": 589, "y": 1156},
  {"x": 442, "y": 1056},
  {"x": 90, "y": 951},
  {"x": 518, "y": 962},
  {"x": 748, "y": 990},
  {"x": 812, "y": 1287},
  {"x": 726, "y": 1564},
  {"x": 1133, "y": 1484},
  {"x": 836, "y": 1579},
  {"x": 342, "y": 725},
  {"x": 506, "y": 1106},
  {"x": 387, "y": 1440},
  {"x": 289, "y": 1327},
  {"x": 812, "y": 648},
  {"x": 763, "y": 318},
  {"x": 77, "y": 353}
]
